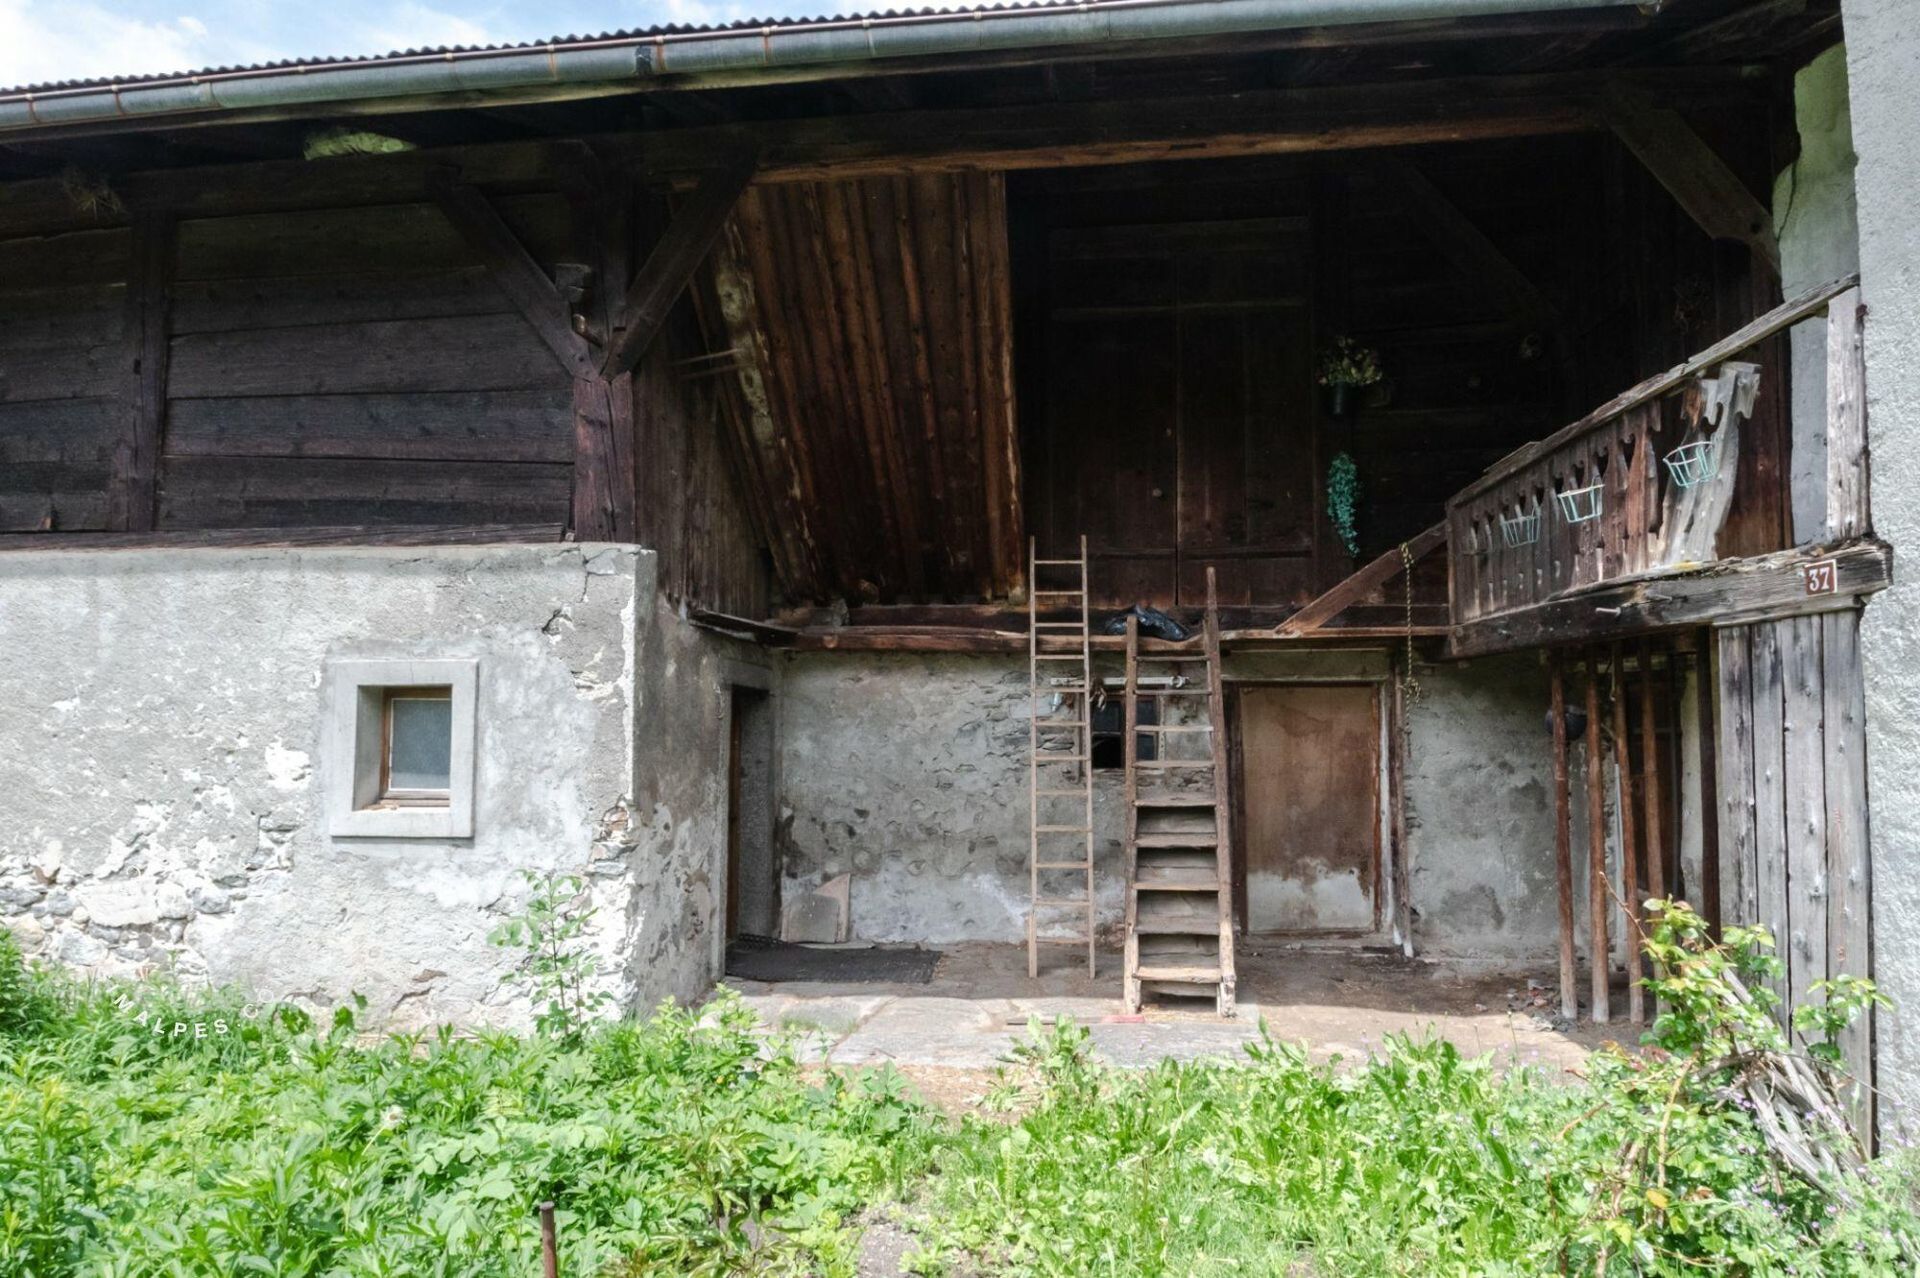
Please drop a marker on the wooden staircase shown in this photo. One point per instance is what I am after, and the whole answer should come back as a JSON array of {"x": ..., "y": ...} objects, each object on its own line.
[
  {"x": 1059, "y": 758},
  {"x": 1179, "y": 841}
]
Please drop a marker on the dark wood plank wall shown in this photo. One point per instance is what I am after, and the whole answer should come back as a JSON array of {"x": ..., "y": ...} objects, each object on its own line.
[
  {"x": 1472, "y": 377},
  {"x": 335, "y": 367},
  {"x": 357, "y": 365},
  {"x": 65, "y": 362}
]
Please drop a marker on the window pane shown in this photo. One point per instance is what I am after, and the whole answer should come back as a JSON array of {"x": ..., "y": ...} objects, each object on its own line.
[{"x": 421, "y": 749}]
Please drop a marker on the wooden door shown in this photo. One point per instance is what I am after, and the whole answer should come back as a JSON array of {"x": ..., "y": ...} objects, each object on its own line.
[
  {"x": 1179, "y": 429},
  {"x": 1308, "y": 788}
]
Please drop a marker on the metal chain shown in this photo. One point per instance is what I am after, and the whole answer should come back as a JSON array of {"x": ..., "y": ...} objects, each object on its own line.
[{"x": 1409, "y": 684}]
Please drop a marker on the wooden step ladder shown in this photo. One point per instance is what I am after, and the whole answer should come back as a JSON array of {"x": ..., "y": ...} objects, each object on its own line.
[
  {"x": 1179, "y": 829},
  {"x": 1059, "y": 758}
]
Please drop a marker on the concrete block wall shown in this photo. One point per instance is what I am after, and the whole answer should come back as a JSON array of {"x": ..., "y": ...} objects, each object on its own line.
[{"x": 162, "y": 776}]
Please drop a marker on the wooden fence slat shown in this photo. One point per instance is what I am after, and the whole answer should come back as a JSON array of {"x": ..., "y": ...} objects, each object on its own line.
[
  {"x": 1599, "y": 951},
  {"x": 1803, "y": 943},
  {"x": 1769, "y": 787},
  {"x": 1734, "y": 776},
  {"x": 1849, "y": 915}
]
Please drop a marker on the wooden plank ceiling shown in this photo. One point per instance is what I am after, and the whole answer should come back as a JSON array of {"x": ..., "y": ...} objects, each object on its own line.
[{"x": 870, "y": 326}]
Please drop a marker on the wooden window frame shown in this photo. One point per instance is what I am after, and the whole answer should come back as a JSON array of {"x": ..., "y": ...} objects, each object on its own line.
[{"x": 389, "y": 794}]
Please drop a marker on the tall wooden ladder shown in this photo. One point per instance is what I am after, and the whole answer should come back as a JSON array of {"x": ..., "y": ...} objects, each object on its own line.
[
  {"x": 1059, "y": 757},
  {"x": 1179, "y": 833}
]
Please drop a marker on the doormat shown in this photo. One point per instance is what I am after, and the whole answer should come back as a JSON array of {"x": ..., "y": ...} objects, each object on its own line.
[{"x": 753, "y": 958}]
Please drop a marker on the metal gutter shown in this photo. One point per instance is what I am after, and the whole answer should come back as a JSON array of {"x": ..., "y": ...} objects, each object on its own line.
[{"x": 766, "y": 54}]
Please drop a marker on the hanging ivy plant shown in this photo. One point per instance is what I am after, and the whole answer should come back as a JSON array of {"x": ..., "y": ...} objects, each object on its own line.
[{"x": 1343, "y": 499}]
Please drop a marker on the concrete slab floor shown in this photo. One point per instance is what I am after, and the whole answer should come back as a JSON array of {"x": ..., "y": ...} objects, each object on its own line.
[{"x": 1340, "y": 1002}]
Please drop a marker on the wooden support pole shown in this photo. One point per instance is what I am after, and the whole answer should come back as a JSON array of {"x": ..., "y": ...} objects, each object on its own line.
[
  {"x": 1563, "y": 841},
  {"x": 1599, "y": 955},
  {"x": 1629, "y": 843},
  {"x": 1848, "y": 510},
  {"x": 1650, "y": 790}
]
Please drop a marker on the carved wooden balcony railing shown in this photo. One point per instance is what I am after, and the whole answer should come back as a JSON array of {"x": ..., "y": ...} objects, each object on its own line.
[{"x": 1641, "y": 487}]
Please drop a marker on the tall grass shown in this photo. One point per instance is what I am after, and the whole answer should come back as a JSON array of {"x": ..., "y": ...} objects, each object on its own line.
[{"x": 151, "y": 1131}]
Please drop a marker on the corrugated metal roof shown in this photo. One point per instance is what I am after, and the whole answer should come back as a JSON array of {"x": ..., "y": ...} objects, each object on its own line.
[{"x": 634, "y": 35}]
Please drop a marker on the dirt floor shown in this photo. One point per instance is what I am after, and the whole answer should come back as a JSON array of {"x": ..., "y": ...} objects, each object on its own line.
[{"x": 949, "y": 1035}]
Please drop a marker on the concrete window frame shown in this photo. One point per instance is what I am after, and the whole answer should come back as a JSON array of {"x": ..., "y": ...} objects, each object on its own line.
[{"x": 356, "y": 719}]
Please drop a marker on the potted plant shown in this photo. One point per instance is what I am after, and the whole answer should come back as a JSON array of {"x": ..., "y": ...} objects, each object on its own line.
[{"x": 1347, "y": 367}]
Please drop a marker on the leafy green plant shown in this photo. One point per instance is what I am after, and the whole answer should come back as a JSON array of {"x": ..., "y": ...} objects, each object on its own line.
[
  {"x": 556, "y": 969},
  {"x": 1347, "y": 363},
  {"x": 1343, "y": 499}
]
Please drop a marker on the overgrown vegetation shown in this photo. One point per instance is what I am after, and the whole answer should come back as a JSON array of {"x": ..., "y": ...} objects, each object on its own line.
[{"x": 150, "y": 1131}]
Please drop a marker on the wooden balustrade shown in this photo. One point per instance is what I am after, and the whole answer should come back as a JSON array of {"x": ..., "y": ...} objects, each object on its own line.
[{"x": 1514, "y": 536}]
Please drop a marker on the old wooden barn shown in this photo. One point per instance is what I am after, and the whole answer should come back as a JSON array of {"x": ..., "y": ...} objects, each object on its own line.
[{"x": 722, "y": 463}]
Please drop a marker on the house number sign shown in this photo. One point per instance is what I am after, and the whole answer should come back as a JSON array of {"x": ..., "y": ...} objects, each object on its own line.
[{"x": 1822, "y": 576}]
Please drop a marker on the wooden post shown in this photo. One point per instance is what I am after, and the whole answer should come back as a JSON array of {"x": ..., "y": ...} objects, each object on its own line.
[
  {"x": 1563, "y": 841},
  {"x": 1704, "y": 683},
  {"x": 1397, "y": 815},
  {"x": 549, "y": 1243},
  {"x": 1848, "y": 510},
  {"x": 131, "y": 500},
  {"x": 1599, "y": 955},
  {"x": 1629, "y": 843},
  {"x": 1650, "y": 775},
  {"x": 1849, "y": 866}
]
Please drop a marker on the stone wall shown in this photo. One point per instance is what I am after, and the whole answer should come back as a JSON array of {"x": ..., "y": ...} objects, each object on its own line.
[
  {"x": 1883, "y": 73},
  {"x": 163, "y": 781},
  {"x": 909, "y": 772}
]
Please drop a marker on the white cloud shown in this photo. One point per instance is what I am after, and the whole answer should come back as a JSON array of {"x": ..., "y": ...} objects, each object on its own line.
[
  {"x": 40, "y": 41},
  {"x": 416, "y": 26}
]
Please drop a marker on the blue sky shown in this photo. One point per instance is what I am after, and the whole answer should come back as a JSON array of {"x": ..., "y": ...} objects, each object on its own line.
[{"x": 44, "y": 40}]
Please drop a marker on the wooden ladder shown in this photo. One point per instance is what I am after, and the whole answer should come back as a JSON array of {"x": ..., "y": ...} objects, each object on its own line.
[
  {"x": 1179, "y": 823},
  {"x": 1059, "y": 758}
]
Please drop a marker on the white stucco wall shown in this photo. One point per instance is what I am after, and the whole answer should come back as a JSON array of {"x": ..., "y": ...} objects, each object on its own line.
[
  {"x": 1883, "y": 70},
  {"x": 163, "y": 770}
]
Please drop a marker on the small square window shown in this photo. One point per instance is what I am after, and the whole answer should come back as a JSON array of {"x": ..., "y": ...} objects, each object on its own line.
[
  {"x": 399, "y": 748},
  {"x": 416, "y": 764},
  {"x": 1110, "y": 732}
]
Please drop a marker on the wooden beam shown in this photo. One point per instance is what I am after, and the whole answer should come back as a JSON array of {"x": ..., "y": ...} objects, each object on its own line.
[
  {"x": 688, "y": 238},
  {"x": 1691, "y": 171},
  {"x": 1361, "y": 583},
  {"x": 524, "y": 282},
  {"x": 324, "y": 535},
  {"x": 1730, "y": 592},
  {"x": 131, "y": 499}
]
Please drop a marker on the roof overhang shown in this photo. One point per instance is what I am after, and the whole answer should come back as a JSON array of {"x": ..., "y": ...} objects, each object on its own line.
[{"x": 691, "y": 58}]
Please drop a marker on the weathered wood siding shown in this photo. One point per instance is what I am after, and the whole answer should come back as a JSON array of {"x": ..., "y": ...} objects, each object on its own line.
[
  {"x": 358, "y": 366},
  {"x": 343, "y": 367},
  {"x": 1791, "y": 760},
  {"x": 64, "y": 369}
]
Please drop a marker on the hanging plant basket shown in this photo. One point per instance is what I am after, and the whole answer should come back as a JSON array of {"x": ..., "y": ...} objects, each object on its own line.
[
  {"x": 1581, "y": 505},
  {"x": 1521, "y": 528},
  {"x": 1693, "y": 464},
  {"x": 1341, "y": 399}
]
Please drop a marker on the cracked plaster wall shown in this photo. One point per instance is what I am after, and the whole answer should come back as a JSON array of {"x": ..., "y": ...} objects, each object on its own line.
[
  {"x": 910, "y": 773},
  {"x": 162, "y": 785}
]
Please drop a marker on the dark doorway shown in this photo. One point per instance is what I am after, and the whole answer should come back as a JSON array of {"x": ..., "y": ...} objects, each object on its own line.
[{"x": 753, "y": 877}]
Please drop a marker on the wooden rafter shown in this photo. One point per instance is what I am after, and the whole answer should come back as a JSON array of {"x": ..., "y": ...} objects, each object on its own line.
[
  {"x": 1361, "y": 584},
  {"x": 514, "y": 271},
  {"x": 689, "y": 237},
  {"x": 1691, "y": 171}
]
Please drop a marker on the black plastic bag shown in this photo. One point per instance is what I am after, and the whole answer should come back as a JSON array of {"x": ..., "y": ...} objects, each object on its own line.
[{"x": 1153, "y": 622}]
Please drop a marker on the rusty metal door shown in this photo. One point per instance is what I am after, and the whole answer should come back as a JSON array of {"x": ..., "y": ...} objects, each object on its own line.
[{"x": 1308, "y": 782}]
